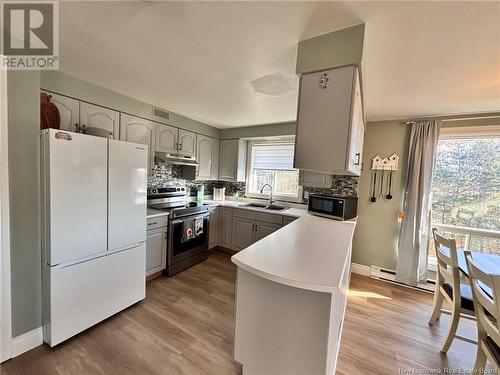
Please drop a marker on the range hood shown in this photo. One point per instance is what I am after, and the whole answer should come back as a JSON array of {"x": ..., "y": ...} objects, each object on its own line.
[{"x": 176, "y": 159}]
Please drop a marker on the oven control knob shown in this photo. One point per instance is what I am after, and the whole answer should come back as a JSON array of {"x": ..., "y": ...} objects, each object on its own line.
[{"x": 178, "y": 189}]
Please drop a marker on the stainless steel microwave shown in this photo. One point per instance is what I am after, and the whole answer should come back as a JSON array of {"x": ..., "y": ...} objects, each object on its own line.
[{"x": 333, "y": 207}]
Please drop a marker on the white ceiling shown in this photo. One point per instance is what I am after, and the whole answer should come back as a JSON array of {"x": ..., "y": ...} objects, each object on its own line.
[{"x": 204, "y": 59}]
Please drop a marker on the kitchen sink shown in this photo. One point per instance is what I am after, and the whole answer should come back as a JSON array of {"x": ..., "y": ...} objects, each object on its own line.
[
  {"x": 255, "y": 205},
  {"x": 271, "y": 207}
]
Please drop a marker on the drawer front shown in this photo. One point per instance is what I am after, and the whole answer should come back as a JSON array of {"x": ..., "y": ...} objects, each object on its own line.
[
  {"x": 156, "y": 222},
  {"x": 248, "y": 214},
  {"x": 269, "y": 218}
]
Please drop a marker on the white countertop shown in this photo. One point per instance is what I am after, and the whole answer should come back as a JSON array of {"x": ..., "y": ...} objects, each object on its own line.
[
  {"x": 292, "y": 211},
  {"x": 310, "y": 253},
  {"x": 153, "y": 212}
]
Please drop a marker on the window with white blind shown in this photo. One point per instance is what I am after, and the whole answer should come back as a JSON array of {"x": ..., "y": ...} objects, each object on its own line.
[{"x": 272, "y": 163}]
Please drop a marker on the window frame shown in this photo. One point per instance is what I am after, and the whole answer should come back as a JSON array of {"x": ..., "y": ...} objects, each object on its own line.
[
  {"x": 461, "y": 133},
  {"x": 265, "y": 195}
]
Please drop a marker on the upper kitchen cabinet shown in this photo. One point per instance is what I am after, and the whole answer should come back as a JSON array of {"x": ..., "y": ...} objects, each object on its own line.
[
  {"x": 232, "y": 160},
  {"x": 187, "y": 143},
  {"x": 166, "y": 139},
  {"x": 138, "y": 130},
  {"x": 69, "y": 111},
  {"x": 94, "y": 117},
  {"x": 207, "y": 155},
  {"x": 175, "y": 141},
  {"x": 330, "y": 123}
]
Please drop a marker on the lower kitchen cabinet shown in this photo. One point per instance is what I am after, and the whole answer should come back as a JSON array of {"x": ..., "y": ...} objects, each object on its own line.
[
  {"x": 239, "y": 228},
  {"x": 156, "y": 250},
  {"x": 225, "y": 227},
  {"x": 263, "y": 229},
  {"x": 288, "y": 219},
  {"x": 214, "y": 227},
  {"x": 243, "y": 232},
  {"x": 249, "y": 229}
]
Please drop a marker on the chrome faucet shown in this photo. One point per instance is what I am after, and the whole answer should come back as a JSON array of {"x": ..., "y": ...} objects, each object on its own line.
[{"x": 270, "y": 193}]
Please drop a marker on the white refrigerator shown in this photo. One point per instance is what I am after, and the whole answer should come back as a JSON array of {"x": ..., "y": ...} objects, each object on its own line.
[{"x": 94, "y": 230}]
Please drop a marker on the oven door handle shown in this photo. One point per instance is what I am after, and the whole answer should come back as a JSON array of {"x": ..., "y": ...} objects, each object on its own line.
[{"x": 177, "y": 221}]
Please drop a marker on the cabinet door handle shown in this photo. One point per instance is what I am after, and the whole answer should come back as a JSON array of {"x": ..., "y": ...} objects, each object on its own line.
[
  {"x": 153, "y": 223},
  {"x": 77, "y": 128},
  {"x": 358, "y": 155},
  {"x": 165, "y": 236},
  {"x": 180, "y": 146}
]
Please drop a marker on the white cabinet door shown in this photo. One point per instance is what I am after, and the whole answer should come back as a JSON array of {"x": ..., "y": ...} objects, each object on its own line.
[
  {"x": 166, "y": 139},
  {"x": 205, "y": 152},
  {"x": 213, "y": 228},
  {"x": 263, "y": 229},
  {"x": 137, "y": 130},
  {"x": 75, "y": 195},
  {"x": 314, "y": 179},
  {"x": 225, "y": 227},
  {"x": 324, "y": 120},
  {"x": 156, "y": 250},
  {"x": 243, "y": 232},
  {"x": 288, "y": 219},
  {"x": 357, "y": 132},
  {"x": 127, "y": 165},
  {"x": 93, "y": 116},
  {"x": 187, "y": 143},
  {"x": 228, "y": 163},
  {"x": 69, "y": 111},
  {"x": 215, "y": 161}
]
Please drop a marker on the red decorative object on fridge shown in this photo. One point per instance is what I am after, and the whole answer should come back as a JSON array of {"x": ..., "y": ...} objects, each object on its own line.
[{"x": 49, "y": 114}]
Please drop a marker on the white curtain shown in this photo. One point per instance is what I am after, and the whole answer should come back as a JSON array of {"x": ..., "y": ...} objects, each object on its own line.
[{"x": 415, "y": 229}]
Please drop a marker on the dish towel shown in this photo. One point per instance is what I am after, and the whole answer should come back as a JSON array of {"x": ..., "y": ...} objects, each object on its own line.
[
  {"x": 198, "y": 226},
  {"x": 188, "y": 230}
]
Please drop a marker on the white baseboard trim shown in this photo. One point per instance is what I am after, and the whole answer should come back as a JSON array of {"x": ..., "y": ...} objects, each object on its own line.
[
  {"x": 27, "y": 341},
  {"x": 360, "y": 269}
]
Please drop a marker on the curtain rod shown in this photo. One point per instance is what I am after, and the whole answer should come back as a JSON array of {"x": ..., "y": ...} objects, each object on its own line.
[{"x": 455, "y": 118}]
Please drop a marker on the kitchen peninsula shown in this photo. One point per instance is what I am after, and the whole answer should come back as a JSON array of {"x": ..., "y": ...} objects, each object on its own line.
[{"x": 291, "y": 296}]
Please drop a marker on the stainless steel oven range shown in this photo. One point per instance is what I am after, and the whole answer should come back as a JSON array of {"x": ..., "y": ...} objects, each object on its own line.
[{"x": 187, "y": 227}]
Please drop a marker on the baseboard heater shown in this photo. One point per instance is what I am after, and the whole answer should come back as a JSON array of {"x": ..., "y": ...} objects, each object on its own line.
[{"x": 388, "y": 275}]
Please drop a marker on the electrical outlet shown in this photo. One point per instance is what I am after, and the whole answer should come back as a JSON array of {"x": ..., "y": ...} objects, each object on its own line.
[{"x": 306, "y": 195}]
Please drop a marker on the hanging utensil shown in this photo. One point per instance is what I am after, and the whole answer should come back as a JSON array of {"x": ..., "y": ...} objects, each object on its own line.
[
  {"x": 373, "y": 198},
  {"x": 381, "y": 194},
  {"x": 389, "y": 196}
]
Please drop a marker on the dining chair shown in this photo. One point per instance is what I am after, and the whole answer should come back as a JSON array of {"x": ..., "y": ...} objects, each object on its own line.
[
  {"x": 449, "y": 288},
  {"x": 487, "y": 313}
]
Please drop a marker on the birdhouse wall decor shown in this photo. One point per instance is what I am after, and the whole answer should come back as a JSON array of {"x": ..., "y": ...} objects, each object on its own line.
[{"x": 389, "y": 163}]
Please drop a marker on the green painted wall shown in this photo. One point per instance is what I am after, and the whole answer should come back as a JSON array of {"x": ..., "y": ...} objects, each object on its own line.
[
  {"x": 68, "y": 85},
  {"x": 376, "y": 237},
  {"x": 24, "y": 183},
  {"x": 269, "y": 130},
  {"x": 377, "y": 232},
  {"x": 338, "y": 48}
]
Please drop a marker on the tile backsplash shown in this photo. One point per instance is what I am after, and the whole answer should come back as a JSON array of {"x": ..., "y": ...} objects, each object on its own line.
[
  {"x": 342, "y": 186},
  {"x": 164, "y": 174}
]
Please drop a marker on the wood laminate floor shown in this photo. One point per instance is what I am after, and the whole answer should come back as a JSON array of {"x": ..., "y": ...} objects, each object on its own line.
[{"x": 185, "y": 326}]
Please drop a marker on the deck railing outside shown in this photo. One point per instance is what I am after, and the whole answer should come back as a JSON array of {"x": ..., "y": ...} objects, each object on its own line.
[{"x": 474, "y": 239}]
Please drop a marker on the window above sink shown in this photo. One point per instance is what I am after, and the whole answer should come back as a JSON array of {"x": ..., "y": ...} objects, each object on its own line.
[{"x": 271, "y": 162}]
